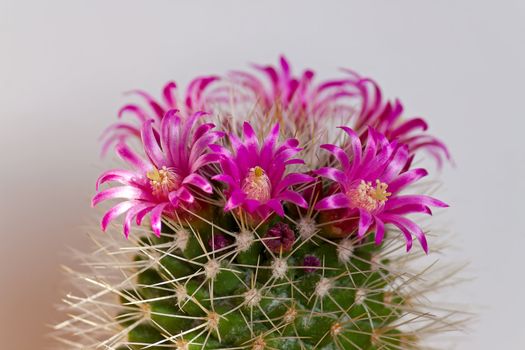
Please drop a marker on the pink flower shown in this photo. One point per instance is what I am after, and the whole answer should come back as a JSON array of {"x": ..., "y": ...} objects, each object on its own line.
[
  {"x": 298, "y": 97},
  {"x": 369, "y": 181},
  {"x": 195, "y": 99},
  {"x": 304, "y": 102},
  {"x": 386, "y": 117},
  {"x": 168, "y": 178},
  {"x": 256, "y": 173}
]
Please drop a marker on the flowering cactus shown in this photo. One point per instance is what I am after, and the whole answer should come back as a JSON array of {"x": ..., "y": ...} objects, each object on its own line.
[{"x": 260, "y": 228}]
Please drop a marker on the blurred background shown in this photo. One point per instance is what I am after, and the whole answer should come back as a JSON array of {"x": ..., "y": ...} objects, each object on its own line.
[{"x": 64, "y": 65}]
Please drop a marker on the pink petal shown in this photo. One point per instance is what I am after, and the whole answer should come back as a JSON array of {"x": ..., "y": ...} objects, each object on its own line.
[
  {"x": 335, "y": 201},
  {"x": 251, "y": 205},
  {"x": 202, "y": 130},
  {"x": 124, "y": 128},
  {"x": 203, "y": 143},
  {"x": 168, "y": 93},
  {"x": 227, "y": 179},
  {"x": 430, "y": 143},
  {"x": 159, "y": 111},
  {"x": 293, "y": 197},
  {"x": 220, "y": 149},
  {"x": 294, "y": 161},
  {"x": 205, "y": 159},
  {"x": 131, "y": 214},
  {"x": 131, "y": 158},
  {"x": 406, "y": 179},
  {"x": 126, "y": 192},
  {"x": 365, "y": 220},
  {"x": 143, "y": 212},
  {"x": 251, "y": 138},
  {"x": 237, "y": 198},
  {"x": 269, "y": 142},
  {"x": 355, "y": 142},
  {"x": 370, "y": 148},
  {"x": 116, "y": 211},
  {"x": 199, "y": 182},
  {"x": 400, "y": 201},
  {"x": 169, "y": 132},
  {"x": 116, "y": 133},
  {"x": 380, "y": 230},
  {"x": 410, "y": 208},
  {"x": 117, "y": 175},
  {"x": 276, "y": 206},
  {"x": 182, "y": 194},
  {"x": 408, "y": 126},
  {"x": 396, "y": 164},
  {"x": 408, "y": 226},
  {"x": 285, "y": 66},
  {"x": 138, "y": 111},
  {"x": 293, "y": 179},
  {"x": 282, "y": 156},
  {"x": 187, "y": 127},
  {"x": 156, "y": 218},
  {"x": 339, "y": 154},
  {"x": 151, "y": 146},
  {"x": 332, "y": 174}
]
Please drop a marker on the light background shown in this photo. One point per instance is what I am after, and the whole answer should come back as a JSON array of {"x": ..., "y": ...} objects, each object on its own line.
[{"x": 63, "y": 65}]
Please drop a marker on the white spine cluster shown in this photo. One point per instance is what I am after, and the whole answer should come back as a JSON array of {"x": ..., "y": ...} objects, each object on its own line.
[
  {"x": 323, "y": 287},
  {"x": 182, "y": 236},
  {"x": 306, "y": 228},
  {"x": 360, "y": 296},
  {"x": 181, "y": 294},
  {"x": 211, "y": 269},
  {"x": 279, "y": 268},
  {"x": 345, "y": 250},
  {"x": 252, "y": 297},
  {"x": 244, "y": 240}
]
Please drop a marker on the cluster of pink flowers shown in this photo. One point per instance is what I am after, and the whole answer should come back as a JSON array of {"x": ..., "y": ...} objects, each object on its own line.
[{"x": 196, "y": 155}]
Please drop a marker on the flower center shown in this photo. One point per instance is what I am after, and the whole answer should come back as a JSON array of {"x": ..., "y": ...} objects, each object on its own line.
[
  {"x": 367, "y": 197},
  {"x": 257, "y": 185},
  {"x": 162, "y": 181}
]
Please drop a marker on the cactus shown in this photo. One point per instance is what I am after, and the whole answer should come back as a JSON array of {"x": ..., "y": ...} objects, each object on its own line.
[{"x": 247, "y": 247}]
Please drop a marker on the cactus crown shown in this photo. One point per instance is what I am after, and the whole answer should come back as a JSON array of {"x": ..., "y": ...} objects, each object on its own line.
[{"x": 260, "y": 239}]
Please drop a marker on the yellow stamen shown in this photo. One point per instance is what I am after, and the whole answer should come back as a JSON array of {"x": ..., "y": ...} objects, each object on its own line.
[
  {"x": 162, "y": 181},
  {"x": 154, "y": 175},
  {"x": 367, "y": 197},
  {"x": 379, "y": 193},
  {"x": 258, "y": 171},
  {"x": 257, "y": 185}
]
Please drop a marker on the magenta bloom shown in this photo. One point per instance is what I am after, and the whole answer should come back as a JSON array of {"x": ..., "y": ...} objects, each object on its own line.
[
  {"x": 195, "y": 99},
  {"x": 370, "y": 180},
  {"x": 297, "y": 96},
  {"x": 168, "y": 178},
  {"x": 304, "y": 102},
  {"x": 386, "y": 118},
  {"x": 256, "y": 173}
]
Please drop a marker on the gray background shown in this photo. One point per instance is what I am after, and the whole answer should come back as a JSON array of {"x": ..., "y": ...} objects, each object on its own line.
[{"x": 63, "y": 65}]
